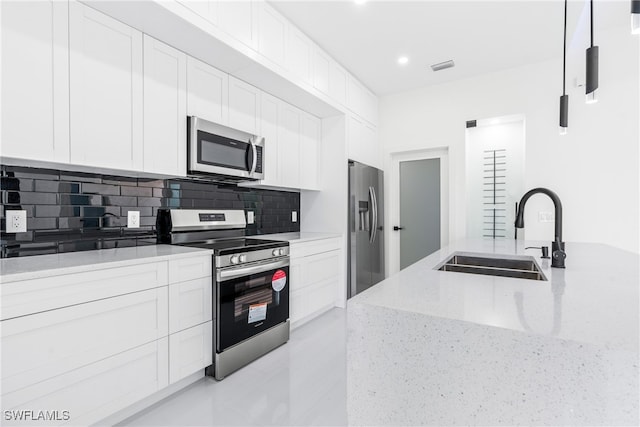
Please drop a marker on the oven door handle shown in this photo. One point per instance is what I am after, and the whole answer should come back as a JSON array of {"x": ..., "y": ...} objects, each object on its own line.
[{"x": 233, "y": 273}]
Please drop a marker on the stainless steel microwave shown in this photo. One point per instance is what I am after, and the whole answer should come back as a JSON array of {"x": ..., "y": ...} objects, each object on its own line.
[{"x": 221, "y": 151}]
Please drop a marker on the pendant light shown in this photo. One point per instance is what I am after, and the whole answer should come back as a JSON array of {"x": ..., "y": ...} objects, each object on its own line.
[
  {"x": 564, "y": 99},
  {"x": 635, "y": 16},
  {"x": 592, "y": 67}
]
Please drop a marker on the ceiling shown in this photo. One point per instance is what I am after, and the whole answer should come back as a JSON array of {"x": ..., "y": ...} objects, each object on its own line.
[{"x": 480, "y": 36}]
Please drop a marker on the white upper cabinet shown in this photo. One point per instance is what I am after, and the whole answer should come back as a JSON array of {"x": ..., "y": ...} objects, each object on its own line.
[
  {"x": 362, "y": 141},
  {"x": 236, "y": 17},
  {"x": 289, "y": 145},
  {"x": 244, "y": 106},
  {"x": 299, "y": 50},
  {"x": 320, "y": 62},
  {"x": 207, "y": 92},
  {"x": 207, "y": 9},
  {"x": 361, "y": 101},
  {"x": 35, "y": 80},
  {"x": 106, "y": 90},
  {"x": 338, "y": 83},
  {"x": 269, "y": 113},
  {"x": 309, "y": 145},
  {"x": 165, "y": 109},
  {"x": 272, "y": 33}
]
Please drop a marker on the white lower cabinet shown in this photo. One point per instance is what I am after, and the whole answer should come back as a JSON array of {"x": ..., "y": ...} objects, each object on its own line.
[
  {"x": 90, "y": 344},
  {"x": 315, "y": 275},
  {"x": 190, "y": 350},
  {"x": 190, "y": 303},
  {"x": 95, "y": 391}
]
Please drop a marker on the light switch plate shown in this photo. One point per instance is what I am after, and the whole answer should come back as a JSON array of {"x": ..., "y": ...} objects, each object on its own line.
[
  {"x": 133, "y": 219},
  {"x": 250, "y": 217},
  {"x": 294, "y": 216},
  {"x": 16, "y": 221}
]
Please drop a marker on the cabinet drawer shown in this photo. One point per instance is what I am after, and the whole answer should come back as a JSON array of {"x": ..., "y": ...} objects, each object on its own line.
[
  {"x": 54, "y": 342},
  {"x": 189, "y": 304},
  {"x": 313, "y": 269},
  {"x": 314, "y": 247},
  {"x": 181, "y": 270},
  {"x": 190, "y": 350},
  {"x": 96, "y": 391},
  {"x": 33, "y": 296}
]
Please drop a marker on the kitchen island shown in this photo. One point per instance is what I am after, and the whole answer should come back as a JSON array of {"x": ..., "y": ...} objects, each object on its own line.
[{"x": 429, "y": 347}]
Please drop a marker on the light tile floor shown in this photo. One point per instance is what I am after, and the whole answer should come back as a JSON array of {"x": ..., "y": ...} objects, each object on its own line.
[{"x": 301, "y": 383}]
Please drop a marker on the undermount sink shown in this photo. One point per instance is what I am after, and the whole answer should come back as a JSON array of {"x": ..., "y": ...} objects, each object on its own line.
[{"x": 505, "y": 267}]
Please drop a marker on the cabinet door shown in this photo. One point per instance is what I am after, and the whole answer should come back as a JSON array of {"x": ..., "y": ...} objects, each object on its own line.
[
  {"x": 236, "y": 18},
  {"x": 106, "y": 90},
  {"x": 289, "y": 145},
  {"x": 93, "y": 392},
  {"x": 189, "y": 304},
  {"x": 299, "y": 49},
  {"x": 269, "y": 130},
  {"x": 35, "y": 80},
  {"x": 207, "y": 92},
  {"x": 43, "y": 345},
  {"x": 309, "y": 148},
  {"x": 272, "y": 30},
  {"x": 190, "y": 351},
  {"x": 244, "y": 106},
  {"x": 207, "y": 9},
  {"x": 338, "y": 83},
  {"x": 321, "y": 62},
  {"x": 165, "y": 109}
]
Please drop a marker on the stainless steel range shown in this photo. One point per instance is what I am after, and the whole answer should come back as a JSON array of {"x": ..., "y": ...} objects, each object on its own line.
[{"x": 250, "y": 283}]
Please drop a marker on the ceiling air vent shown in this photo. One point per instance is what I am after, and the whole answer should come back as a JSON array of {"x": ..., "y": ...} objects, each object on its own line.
[{"x": 443, "y": 65}]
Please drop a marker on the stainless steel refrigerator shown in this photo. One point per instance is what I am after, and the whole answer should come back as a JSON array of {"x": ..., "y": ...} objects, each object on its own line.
[{"x": 366, "y": 218}]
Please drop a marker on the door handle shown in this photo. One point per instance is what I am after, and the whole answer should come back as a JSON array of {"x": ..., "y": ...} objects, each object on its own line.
[
  {"x": 254, "y": 156},
  {"x": 374, "y": 209},
  {"x": 396, "y": 228}
]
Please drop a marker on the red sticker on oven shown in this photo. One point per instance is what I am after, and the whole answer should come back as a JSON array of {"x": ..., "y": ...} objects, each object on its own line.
[{"x": 278, "y": 280}]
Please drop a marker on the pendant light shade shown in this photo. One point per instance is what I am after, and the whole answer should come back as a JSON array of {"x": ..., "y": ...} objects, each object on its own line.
[
  {"x": 592, "y": 67},
  {"x": 635, "y": 16},
  {"x": 564, "y": 99}
]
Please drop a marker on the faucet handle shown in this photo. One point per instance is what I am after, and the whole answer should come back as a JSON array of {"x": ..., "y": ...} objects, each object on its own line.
[{"x": 558, "y": 255}]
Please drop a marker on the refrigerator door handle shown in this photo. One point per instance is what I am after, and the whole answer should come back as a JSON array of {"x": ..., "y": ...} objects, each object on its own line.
[{"x": 374, "y": 226}]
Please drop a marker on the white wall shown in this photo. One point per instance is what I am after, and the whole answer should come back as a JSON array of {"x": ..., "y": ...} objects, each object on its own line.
[{"x": 594, "y": 169}]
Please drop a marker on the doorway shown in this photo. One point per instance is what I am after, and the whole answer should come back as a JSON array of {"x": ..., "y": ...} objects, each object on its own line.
[{"x": 419, "y": 209}]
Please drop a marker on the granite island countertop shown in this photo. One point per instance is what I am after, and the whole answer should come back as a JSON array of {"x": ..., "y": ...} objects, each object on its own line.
[{"x": 428, "y": 347}]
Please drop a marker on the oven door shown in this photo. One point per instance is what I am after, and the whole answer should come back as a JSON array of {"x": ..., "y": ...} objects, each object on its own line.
[
  {"x": 251, "y": 299},
  {"x": 221, "y": 150}
]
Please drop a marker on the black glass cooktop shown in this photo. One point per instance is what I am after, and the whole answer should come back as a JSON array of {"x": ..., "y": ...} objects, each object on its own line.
[{"x": 234, "y": 245}]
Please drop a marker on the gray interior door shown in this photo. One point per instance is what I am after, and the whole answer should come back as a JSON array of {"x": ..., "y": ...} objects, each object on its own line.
[{"x": 419, "y": 209}]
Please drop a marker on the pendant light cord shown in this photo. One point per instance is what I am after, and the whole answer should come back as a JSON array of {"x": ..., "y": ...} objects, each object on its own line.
[
  {"x": 591, "y": 5},
  {"x": 564, "y": 52}
]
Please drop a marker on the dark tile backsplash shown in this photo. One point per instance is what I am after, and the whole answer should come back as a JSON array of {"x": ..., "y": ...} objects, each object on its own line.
[{"x": 72, "y": 211}]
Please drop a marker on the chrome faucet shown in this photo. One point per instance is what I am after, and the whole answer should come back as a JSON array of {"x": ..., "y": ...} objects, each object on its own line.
[{"x": 558, "y": 254}]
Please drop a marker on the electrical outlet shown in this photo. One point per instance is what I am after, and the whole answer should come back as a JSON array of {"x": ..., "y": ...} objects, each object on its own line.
[
  {"x": 546, "y": 217},
  {"x": 294, "y": 216},
  {"x": 16, "y": 221},
  {"x": 250, "y": 217},
  {"x": 133, "y": 219}
]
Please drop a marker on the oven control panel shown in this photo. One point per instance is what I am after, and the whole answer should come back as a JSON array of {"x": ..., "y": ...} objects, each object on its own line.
[{"x": 249, "y": 257}]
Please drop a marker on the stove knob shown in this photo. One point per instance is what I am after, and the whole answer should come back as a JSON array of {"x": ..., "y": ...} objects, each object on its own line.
[
  {"x": 275, "y": 252},
  {"x": 233, "y": 259},
  {"x": 243, "y": 258},
  {"x": 280, "y": 252}
]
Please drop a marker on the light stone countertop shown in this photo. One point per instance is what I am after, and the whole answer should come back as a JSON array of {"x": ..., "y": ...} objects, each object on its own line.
[
  {"x": 298, "y": 237},
  {"x": 428, "y": 347},
  {"x": 37, "y": 266}
]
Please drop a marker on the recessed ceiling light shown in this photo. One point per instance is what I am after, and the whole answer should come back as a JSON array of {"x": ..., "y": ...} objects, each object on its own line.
[
  {"x": 403, "y": 60},
  {"x": 359, "y": 1}
]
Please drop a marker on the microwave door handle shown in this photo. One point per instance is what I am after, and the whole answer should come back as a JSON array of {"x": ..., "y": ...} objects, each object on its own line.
[{"x": 254, "y": 152}]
